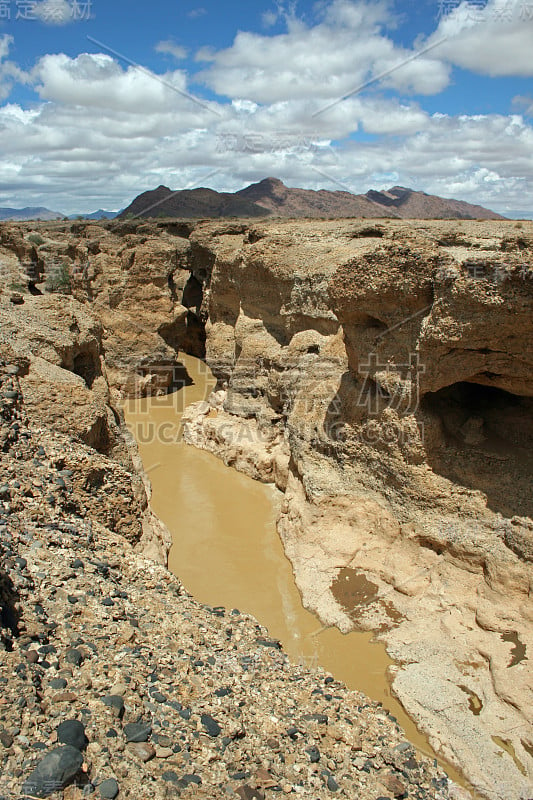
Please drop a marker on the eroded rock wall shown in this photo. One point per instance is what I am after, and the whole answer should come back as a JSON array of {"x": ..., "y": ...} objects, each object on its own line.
[{"x": 381, "y": 377}]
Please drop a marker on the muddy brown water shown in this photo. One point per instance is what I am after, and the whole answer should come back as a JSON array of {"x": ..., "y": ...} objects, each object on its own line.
[{"x": 227, "y": 552}]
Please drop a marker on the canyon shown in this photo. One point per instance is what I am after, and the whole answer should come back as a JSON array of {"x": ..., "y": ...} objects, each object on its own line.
[{"x": 378, "y": 373}]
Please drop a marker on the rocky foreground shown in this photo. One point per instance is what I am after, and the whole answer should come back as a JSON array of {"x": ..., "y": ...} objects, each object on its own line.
[{"x": 115, "y": 682}]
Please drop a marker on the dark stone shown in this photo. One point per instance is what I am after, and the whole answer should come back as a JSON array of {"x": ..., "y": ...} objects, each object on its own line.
[
  {"x": 162, "y": 740},
  {"x": 107, "y": 602},
  {"x": 269, "y": 643},
  {"x": 6, "y": 738},
  {"x": 137, "y": 731},
  {"x": 115, "y": 702},
  {"x": 224, "y": 692},
  {"x": 54, "y": 772},
  {"x": 211, "y": 726},
  {"x": 72, "y": 732},
  {"x": 314, "y": 754},
  {"x": 186, "y": 780},
  {"x": 74, "y": 656},
  {"x": 158, "y": 697},
  {"x": 109, "y": 789},
  {"x": 21, "y": 562},
  {"x": 58, "y": 683},
  {"x": 332, "y": 784},
  {"x": 170, "y": 777},
  {"x": 329, "y": 679},
  {"x": 111, "y": 734},
  {"x": 185, "y": 713},
  {"x": 77, "y": 564}
]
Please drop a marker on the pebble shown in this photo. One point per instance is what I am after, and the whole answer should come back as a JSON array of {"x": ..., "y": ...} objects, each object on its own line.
[
  {"x": 74, "y": 656},
  {"x": 108, "y": 789},
  {"x": 137, "y": 732},
  {"x": 116, "y": 703},
  {"x": 56, "y": 770},
  {"x": 143, "y": 750},
  {"x": 211, "y": 726},
  {"x": 72, "y": 732}
]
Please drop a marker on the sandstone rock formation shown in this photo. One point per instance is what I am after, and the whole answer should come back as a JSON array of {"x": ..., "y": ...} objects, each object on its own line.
[
  {"x": 382, "y": 378},
  {"x": 380, "y": 375}
]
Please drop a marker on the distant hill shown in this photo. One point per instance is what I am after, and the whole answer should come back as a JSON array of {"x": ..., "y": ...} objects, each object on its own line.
[
  {"x": 100, "y": 214},
  {"x": 270, "y": 197},
  {"x": 192, "y": 203},
  {"x": 21, "y": 214},
  {"x": 419, "y": 205}
]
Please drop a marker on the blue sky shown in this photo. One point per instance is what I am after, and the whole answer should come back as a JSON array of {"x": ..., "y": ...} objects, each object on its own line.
[{"x": 100, "y": 101}]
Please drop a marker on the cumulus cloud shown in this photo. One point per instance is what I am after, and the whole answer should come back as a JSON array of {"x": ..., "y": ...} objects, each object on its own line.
[
  {"x": 5, "y": 44},
  {"x": 95, "y": 80},
  {"x": 345, "y": 48},
  {"x": 171, "y": 48},
  {"x": 493, "y": 40},
  {"x": 10, "y": 73}
]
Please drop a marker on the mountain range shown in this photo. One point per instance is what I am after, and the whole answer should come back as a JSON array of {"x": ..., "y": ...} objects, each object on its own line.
[
  {"x": 270, "y": 197},
  {"x": 42, "y": 213},
  {"x": 22, "y": 214}
]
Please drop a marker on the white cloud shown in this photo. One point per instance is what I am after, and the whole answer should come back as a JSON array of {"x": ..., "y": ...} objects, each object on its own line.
[
  {"x": 95, "y": 80},
  {"x": 10, "y": 73},
  {"x": 5, "y": 44},
  {"x": 525, "y": 103},
  {"x": 345, "y": 48},
  {"x": 171, "y": 48},
  {"x": 496, "y": 40},
  {"x": 195, "y": 13}
]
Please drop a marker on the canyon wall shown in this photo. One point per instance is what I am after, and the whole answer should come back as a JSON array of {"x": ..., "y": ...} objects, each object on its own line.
[{"x": 380, "y": 375}]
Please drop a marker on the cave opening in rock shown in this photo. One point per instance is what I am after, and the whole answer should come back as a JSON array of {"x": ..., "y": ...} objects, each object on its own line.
[
  {"x": 87, "y": 366},
  {"x": 9, "y": 616},
  {"x": 481, "y": 437},
  {"x": 193, "y": 294}
]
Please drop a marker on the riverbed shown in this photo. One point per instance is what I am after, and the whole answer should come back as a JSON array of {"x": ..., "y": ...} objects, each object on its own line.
[{"x": 227, "y": 552}]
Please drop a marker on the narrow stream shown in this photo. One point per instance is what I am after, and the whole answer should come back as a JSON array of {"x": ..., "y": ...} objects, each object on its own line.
[{"x": 227, "y": 552}]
